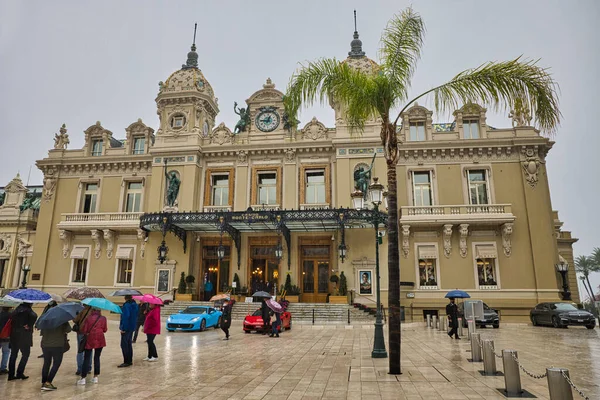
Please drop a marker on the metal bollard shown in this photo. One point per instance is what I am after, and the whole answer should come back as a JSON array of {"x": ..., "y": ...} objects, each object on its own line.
[
  {"x": 460, "y": 327},
  {"x": 442, "y": 323},
  {"x": 434, "y": 322},
  {"x": 512, "y": 375},
  {"x": 558, "y": 386},
  {"x": 313, "y": 316},
  {"x": 489, "y": 358},
  {"x": 446, "y": 324},
  {"x": 475, "y": 349},
  {"x": 348, "y": 316},
  {"x": 429, "y": 320},
  {"x": 470, "y": 327}
]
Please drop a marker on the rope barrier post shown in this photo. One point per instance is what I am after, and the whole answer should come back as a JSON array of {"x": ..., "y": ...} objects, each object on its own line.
[
  {"x": 428, "y": 320},
  {"x": 558, "y": 386},
  {"x": 460, "y": 327},
  {"x": 512, "y": 376},
  {"x": 489, "y": 358},
  {"x": 470, "y": 327},
  {"x": 475, "y": 349},
  {"x": 434, "y": 322},
  {"x": 313, "y": 316}
]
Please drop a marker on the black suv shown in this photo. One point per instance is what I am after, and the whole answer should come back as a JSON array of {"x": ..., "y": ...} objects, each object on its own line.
[{"x": 490, "y": 317}]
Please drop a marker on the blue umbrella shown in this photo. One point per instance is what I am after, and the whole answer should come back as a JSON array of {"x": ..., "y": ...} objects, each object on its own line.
[
  {"x": 102, "y": 304},
  {"x": 457, "y": 294},
  {"x": 28, "y": 296},
  {"x": 58, "y": 315}
]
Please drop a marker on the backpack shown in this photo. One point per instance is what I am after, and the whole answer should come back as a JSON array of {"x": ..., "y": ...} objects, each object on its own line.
[{"x": 5, "y": 333}]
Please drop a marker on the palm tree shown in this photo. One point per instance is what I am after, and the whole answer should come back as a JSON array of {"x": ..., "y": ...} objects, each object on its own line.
[
  {"x": 381, "y": 92},
  {"x": 585, "y": 266}
]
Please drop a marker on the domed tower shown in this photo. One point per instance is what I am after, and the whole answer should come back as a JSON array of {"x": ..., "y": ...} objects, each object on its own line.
[{"x": 186, "y": 103}]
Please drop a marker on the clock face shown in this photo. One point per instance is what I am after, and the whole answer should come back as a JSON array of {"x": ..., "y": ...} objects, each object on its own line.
[
  {"x": 267, "y": 121},
  {"x": 205, "y": 129}
]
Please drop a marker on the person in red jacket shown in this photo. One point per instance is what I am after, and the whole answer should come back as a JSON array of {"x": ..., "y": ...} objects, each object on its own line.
[
  {"x": 151, "y": 329},
  {"x": 94, "y": 328}
]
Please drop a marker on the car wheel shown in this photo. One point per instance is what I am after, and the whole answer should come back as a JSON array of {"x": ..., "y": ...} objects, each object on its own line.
[
  {"x": 534, "y": 321},
  {"x": 590, "y": 326},
  {"x": 218, "y": 323},
  {"x": 171, "y": 330},
  {"x": 496, "y": 325},
  {"x": 556, "y": 322},
  {"x": 202, "y": 325}
]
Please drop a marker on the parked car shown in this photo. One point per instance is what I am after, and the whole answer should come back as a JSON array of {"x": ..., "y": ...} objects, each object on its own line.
[
  {"x": 490, "y": 316},
  {"x": 254, "y": 322},
  {"x": 561, "y": 315},
  {"x": 194, "y": 318}
]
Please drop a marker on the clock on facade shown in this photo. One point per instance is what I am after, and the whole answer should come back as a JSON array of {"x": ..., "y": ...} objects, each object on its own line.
[
  {"x": 205, "y": 129},
  {"x": 267, "y": 119}
]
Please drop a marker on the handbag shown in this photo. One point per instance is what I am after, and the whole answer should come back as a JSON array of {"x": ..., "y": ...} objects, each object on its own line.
[
  {"x": 83, "y": 341},
  {"x": 5, "y": 333}
]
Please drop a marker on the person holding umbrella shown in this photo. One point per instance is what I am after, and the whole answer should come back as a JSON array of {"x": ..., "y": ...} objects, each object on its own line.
[
  {"x": 226, "y": 318},
  {"x": 94, "y": 328},
  {"x": 276, "y": 309},
  {"x": 127, "y": 327},
  {"x": 51, "y": 304},
  {"x": 452, "y": 313},
  {"x": 266, "y": 317},
  {"x": 4, "y": 343},
  {"x": 77, "y": 324},
  {"x": 151, "y": 329},
  {"x": 54, "y": 341}
]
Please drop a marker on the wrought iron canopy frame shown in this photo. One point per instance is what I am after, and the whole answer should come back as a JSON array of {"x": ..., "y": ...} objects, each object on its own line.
[{"x": 280, "y": 221}]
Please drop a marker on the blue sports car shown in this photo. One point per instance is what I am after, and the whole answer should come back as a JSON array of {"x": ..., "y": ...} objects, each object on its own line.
[{"x": 194, "y": 318}]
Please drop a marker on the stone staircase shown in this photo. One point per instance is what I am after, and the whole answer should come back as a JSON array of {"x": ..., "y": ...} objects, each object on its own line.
[{"x": 323, "y": 312}]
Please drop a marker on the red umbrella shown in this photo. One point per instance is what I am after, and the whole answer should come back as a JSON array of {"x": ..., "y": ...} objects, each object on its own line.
[
  {"x": 148, "y": 298},
  {"x": 275, "y": 306}
]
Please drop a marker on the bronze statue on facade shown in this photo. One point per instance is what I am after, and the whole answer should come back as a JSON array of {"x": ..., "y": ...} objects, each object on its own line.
[
  {"x": 244, "y": 121},
  {"x": 362, "y": 178},
  {"x": 173, "y": 183}
]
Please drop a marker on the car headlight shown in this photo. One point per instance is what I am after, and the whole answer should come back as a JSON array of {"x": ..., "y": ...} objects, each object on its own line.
[
  {"x": 195, "y": 319},
  {"x": 169, "y": 319},
  {"x": 564, "y": 316}
]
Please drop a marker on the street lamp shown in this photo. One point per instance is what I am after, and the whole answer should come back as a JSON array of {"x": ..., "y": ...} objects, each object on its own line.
[
  {"x": 25, "y": 270},
  {"x": 357, "y": 199},
  {"x": 563, "y": 267},
  {"x": 342, "y": 250},
  {"x": 376, "y": 196},
  {"x": 221, "y": 251},
  {"x": 279, "y": 251},
  {"x": 162, "y": 252}
]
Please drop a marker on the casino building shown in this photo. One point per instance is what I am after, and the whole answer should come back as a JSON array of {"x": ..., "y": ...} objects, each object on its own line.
[{"x": 265, "y": 200}]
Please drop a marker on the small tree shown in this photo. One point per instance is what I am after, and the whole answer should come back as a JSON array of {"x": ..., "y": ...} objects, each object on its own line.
[
  {"x": 288, "y": 284},
  {"x": 238, "y": 286},
  {"x": 182, "y": 285},
  {"x": 190, "y": 280},
  {"x": 343, "y": 284}
]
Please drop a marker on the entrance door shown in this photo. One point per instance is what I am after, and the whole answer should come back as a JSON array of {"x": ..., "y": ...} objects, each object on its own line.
[
  {"x": 315, "y": 281},
  {"x": 264, "y": 275}
]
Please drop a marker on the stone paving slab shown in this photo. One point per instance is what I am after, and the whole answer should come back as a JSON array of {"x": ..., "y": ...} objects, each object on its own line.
[{"x": 318, "y": 362}]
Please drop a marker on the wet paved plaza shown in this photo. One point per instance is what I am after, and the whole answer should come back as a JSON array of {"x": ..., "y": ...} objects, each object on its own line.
[{"x": 318, "y": 362}]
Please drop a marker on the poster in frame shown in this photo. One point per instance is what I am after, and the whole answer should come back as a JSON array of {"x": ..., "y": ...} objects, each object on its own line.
[{"x": 365, "y": 282}]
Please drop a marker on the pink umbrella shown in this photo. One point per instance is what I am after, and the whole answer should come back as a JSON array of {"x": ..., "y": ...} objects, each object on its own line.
[
  {"x": 148, "y": 298},
  {"x": 275, "y": 306}
]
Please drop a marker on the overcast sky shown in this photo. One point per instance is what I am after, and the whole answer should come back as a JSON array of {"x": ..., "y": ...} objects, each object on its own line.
[{"x": 79, "y": 62}]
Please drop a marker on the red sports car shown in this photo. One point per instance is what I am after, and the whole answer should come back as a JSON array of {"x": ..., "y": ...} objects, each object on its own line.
[{"x": 254, "y": 322}]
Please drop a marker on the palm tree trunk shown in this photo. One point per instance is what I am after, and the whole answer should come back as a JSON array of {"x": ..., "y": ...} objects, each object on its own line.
[
  {"x": 593, "y": 299},
  {"x": 393, "y": 270}
]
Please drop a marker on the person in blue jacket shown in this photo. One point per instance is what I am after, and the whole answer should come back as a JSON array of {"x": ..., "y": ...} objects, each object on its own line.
[{"x": 127, "y": 327}]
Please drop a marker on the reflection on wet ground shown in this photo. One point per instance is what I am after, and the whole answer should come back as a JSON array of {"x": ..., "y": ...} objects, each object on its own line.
[{"x": 317, "y": 362}]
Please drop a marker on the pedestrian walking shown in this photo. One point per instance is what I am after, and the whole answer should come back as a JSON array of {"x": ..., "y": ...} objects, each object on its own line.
[
  {"x": 127, "y": 327},
  {"x": 54, "y": 345},
  {"x": 77, "y": 325},
  {"x": 51, "y": 304},
  {"x": 275, "y": 325},
  {"x": 143, "y": 310},
  {"x": 21, "y": 340},
  {"x": 226, "y": 318},
  {"x": 151, "y": 329},
  {"x": 264, "y": 312},
  {"x": 452, "y": 313},
  {"x": 95, "y": 327},
  {"x": 4, "y": 343}
]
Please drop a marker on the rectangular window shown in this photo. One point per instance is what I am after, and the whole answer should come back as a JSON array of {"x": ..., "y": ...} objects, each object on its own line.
[
  {"x": 267, "y": 188},
  {"x": 178, "y": 121},
  {"x": 417, "y": 131},
  {"x": 220, "y": 190},
  {"x": 89, "y": 198},
  {"x": 97, "y": 147},
  {"x": 486, "y": 271},
  {"x": 471, "y": 129},
  {"x": 422, "y": 194},
  {"x": 134, "y": 197},
  {"x": 315, "y": 186},
  {"x": 79, "y": 270},
  {"x": 478, "y": 186},
  {"x": 427, "y": 272},
  {"x": 138, "y": 145},
  {"x": 124, "y": 272}
]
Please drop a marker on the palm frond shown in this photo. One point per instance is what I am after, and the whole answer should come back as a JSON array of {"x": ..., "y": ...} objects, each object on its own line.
[
  {"x": 595, "y": 257},
  {"x": 400, "y": 50},
  {"x": 500, "y": 85},
  {"x": 584, "y": 265}
]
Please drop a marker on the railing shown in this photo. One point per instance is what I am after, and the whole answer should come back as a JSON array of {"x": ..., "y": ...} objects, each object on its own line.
[
  {"x": 103, "y": 217},
  {"x": 216, "y": 209},
  {"x": 456, "y": 210},
  {"x": 265, "y": 207},
  {"x": 314, "y": 206}
]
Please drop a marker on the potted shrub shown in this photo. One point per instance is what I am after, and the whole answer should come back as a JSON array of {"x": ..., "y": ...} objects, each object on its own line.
[
  {"x": 293, "y": 294},
  {"x": 190, "y": 280},
  {"x": 182, "y": 290},
  {"x": 336, "y": 297}
]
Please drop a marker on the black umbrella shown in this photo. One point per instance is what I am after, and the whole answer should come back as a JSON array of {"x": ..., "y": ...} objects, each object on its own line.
[
  {"x": 126, "y": 292},
  {"x": 58, "y": 315},
  {"x": 262, "y": 294}
]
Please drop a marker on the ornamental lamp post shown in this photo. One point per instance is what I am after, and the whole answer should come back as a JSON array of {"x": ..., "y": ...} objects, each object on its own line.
[
  {"x": 221, "y": 251},
  {"x": 162, "y": 252},
  {"x": 25, "y": 270},
  {"x": 342, "y": 250},
  {"x": 563, "y": 267},
  {"x": 376, "y": 196},
  {"x": 357, "y": 199},
  {"x": 279, "y": 251}
]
